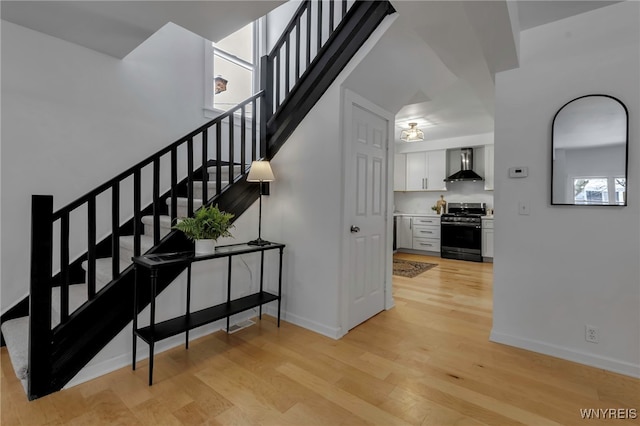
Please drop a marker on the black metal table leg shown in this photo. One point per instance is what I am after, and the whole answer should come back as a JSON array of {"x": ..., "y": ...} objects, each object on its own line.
[
  {"x": 261, "y": 280},
  {"x": 228, "y": 289},
  {"x": 135, "y": 315},
  {"x": 186, "y": 343},
  {"x": 152, "y": 321},
  {"x": 280, "y": 284}
]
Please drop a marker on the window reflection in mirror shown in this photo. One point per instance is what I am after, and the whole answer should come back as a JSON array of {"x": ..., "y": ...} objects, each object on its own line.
[{"x": 589, "y": 152}]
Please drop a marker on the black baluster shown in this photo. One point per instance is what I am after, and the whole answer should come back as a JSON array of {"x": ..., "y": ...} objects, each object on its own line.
[
  {"x": 64, "y": 267},
  {"x": 319, "y": 29},
  {"x": 232, "y": 146},
  {"x": 218, "y": 157},
  {"x": 204, "y": 173},
  {"x": 331, "y": 13},
  {"x": 174, "y": 184},
  {"x": 243, "y": 140},
  {"x": 287, "y": 63},
  {"x": 91, "y": 247},
  {"x": 190, "y": 177},
  {"x": 254, "y": 130},
  {"x": 344, "y": 8},
  {"x": 308, "y": 7},
  {"x": 297, "y": 53},
  {"x": 115, "y": 230},
  {"x": 156, "y": 201},
  {"x": 137, "y": 214}
]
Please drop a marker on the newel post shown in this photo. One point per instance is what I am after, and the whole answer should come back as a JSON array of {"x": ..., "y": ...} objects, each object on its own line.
[
  {"x": 266, "y": 108},
  {"x": 40, "y": 296}
]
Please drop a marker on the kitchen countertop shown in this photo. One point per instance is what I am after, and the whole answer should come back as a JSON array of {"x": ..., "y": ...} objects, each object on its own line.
[
  {"x": 417, "y": 214},
  {"x": 490, "y": 217}
]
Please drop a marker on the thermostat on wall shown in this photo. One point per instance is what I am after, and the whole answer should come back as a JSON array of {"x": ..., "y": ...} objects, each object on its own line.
[{"x": 518, "y": 172}]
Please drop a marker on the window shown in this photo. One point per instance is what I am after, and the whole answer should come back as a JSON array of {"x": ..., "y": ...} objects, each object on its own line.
[
  {"x": 230, "y": 70},
  {"x": 599, "y": 190}
]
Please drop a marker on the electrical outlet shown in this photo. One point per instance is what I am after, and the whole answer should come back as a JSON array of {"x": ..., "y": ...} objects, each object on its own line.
[{"x": 591, "y": 333}]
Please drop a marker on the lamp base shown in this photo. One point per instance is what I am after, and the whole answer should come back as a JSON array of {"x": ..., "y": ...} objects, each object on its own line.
[{"x": 259, "y": 242}]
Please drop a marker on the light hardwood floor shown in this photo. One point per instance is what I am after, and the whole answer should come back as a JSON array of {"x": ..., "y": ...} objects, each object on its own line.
[{"x": 428, "y": 361}]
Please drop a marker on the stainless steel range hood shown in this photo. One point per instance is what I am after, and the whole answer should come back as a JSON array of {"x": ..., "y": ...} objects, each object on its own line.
[{"x": 466, "y": 165}]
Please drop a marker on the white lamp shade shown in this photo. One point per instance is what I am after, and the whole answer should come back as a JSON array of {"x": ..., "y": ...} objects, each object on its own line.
[{"x": 260, "y": 172}]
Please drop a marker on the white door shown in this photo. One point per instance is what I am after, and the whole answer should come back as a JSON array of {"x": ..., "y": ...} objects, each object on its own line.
[{"x": 366, "y": 210}]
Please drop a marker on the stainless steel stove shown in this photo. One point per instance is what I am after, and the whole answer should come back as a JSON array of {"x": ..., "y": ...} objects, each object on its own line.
[{"x": 461, "y": 231}]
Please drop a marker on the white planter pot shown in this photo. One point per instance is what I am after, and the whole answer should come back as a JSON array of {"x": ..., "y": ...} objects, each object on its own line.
[{"x": 205, "y": 246}]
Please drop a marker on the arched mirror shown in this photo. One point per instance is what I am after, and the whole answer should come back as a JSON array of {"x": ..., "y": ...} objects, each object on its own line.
[{"x": 589, "y": 152}]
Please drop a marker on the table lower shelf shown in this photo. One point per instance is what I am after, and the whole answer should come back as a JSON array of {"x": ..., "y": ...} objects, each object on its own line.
[{"x": 174, "y": 326}]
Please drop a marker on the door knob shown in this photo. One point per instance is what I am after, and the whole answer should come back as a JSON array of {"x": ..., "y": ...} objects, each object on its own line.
[{"x": 354, "y": 229}]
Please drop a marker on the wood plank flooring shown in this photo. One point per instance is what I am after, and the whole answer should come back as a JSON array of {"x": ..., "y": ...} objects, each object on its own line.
[{"x": 428, "y": 361}]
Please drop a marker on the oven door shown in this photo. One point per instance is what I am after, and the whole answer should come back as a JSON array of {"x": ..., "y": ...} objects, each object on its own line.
[{"x": 461, "y": 241}]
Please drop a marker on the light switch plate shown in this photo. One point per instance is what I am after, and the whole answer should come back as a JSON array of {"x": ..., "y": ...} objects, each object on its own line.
[{"x": 523, "y": 208}]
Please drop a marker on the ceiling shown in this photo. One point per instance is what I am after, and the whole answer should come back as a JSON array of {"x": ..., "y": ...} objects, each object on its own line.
[{"x": 435, "y": 65}]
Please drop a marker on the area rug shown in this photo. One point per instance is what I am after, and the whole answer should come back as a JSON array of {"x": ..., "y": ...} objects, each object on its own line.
[{"x": 410, "y": 268}]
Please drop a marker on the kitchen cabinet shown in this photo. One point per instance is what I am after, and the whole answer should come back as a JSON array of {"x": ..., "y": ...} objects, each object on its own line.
[
  {"x": 400, "y": 173},
  {"x": 404, "y": 233},
  {"x": 487, "y": 239},
  {"x": 488, "y": 167},
  {"x": 426, "y": 233},
  {"x": 426, "y": 171}
]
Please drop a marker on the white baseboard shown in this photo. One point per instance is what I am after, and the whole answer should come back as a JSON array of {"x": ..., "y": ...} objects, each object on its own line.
[
  {"x": 331, "y": 332},
  {"x": 605, "y": 363}
]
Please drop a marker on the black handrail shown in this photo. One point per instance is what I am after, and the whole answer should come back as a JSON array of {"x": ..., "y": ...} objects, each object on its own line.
[{"x": 130, "y": 171}]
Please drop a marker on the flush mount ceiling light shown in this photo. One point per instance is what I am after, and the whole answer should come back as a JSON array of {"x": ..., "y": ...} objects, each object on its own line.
[{"x": 412, "y": 134}]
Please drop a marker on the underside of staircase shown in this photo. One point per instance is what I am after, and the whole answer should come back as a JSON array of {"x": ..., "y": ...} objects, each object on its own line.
[{"x": 71, "y": 315}]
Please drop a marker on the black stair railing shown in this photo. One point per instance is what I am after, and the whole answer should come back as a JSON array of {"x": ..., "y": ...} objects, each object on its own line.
[
  {"x": 301, "y": 42},
  {"x": 320, "y": 39},
  {"x": 224, "y": 143}
]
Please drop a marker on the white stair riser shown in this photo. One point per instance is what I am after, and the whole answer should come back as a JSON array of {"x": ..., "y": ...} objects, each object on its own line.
[
  {"x": 211, "y": 189},
  {"x": 181, "y": 210},
  {"x": 224, "y": 173},
  {"x": 165, "y": 226}
]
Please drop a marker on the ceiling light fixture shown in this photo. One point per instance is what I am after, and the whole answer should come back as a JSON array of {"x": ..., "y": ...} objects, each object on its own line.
[{"x": 412, "y": 134}]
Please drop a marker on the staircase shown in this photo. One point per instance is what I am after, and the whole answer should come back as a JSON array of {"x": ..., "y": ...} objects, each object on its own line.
[{"x": 77, "y": 311}]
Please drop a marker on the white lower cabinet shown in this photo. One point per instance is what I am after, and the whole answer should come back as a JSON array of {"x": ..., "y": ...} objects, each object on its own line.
[
  {"x": 418, "y": 233},
  {"x": 403, "y": 232},
  {"x": 487, "y": 238}
]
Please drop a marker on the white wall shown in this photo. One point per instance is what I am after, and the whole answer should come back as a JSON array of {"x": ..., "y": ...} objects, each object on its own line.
[
  {"x": 305, "y": 209},
  {"x": 560, "y": 268},
  {"x": 74, "y": 118}
]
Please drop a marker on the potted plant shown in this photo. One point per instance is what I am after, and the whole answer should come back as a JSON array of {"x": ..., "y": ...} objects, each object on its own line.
[{"x": 208, "y": 224}]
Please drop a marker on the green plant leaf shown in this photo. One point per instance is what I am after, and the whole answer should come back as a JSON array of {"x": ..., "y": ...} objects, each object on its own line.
[{"x": 208, "y": 223}]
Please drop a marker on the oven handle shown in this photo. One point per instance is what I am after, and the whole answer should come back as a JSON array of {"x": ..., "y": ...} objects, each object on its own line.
[{"x": 467, "y": 225}]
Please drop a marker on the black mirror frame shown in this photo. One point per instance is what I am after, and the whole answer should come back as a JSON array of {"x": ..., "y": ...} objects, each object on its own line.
[{"x": 626, "y": 153}]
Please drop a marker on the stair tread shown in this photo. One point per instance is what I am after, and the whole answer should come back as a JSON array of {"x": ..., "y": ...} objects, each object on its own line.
[
  {"x": 182, "y": 201},
  {"x": 210, "y": 184},
  {"x": 224, "y": 169},
  {"x": 165, "y": 221},
  {"x": 16, "y": 336}
]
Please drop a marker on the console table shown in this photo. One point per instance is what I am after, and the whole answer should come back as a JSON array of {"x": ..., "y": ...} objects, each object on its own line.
[{"x": 154, "y": 263}]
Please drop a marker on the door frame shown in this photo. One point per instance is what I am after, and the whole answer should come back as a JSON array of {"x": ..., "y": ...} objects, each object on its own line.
[{"x": 350, "y": 98}]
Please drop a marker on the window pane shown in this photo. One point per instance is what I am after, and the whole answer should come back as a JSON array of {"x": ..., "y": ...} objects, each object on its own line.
[
  {"x": 591, "y": 191},
  {"x": 239, "y": 83},
  {"x": 239, "y": 43}
]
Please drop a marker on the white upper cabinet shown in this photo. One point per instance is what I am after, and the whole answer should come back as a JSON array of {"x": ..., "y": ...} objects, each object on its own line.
[
  {"x": 400, "y": 173},
  {"x": 437, "y": 170},
  {"x": 488, "y": 167},
  {"x": 426, "y": 171}
]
